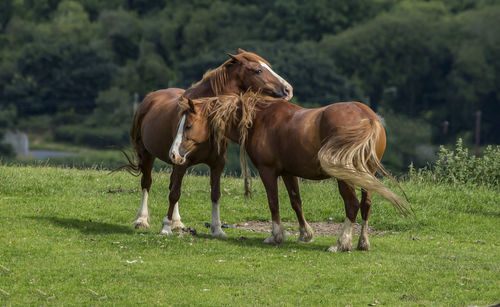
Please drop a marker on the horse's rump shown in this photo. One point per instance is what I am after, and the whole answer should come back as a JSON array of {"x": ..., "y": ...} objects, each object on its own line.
[{"x": 350, "y": 155}]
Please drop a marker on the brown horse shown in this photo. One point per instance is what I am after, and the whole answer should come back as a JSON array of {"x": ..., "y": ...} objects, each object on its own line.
[
  {"x": 343, "y": 140},
  {"x": 155, "y": 131}
]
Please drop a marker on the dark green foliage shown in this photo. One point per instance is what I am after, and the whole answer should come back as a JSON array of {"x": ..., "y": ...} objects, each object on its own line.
[
  {"x": 408, "y": 141},
  {"x": 7, "y": 116},
  {"x": 399, "y": 58},
  {"x": 71, "y": 68},
  {"x": 313, "y": 74},
  {"x": 5, "y": 13},
  {"x": 475, "y": 72},
  {"x": 53, "y": 78}
]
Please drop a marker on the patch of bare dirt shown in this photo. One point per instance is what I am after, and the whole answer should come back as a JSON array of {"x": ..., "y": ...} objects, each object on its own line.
[{"x": 320, "y": 228}]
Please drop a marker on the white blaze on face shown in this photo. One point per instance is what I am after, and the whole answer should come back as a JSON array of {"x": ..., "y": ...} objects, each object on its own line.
[
  {"x": 283, "y": 81},
  {"x": 178, "y": 137}
]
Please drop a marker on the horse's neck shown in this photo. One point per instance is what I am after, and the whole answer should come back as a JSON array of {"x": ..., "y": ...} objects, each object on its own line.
[{"x": 203, "y": 89}]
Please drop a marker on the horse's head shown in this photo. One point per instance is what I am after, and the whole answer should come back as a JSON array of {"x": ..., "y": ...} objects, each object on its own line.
[
  {"x": 254, "y": 73},
  {"x": 193, "y": 130}
]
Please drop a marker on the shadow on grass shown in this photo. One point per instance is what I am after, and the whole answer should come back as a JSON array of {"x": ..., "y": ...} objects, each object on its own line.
[
  {"x": 258, "y": 242},
  {"x": 84, "y": 226}
]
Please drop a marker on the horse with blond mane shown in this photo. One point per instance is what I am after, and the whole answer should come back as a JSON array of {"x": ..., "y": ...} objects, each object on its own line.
[
  {"x": 343, "y": 140},
  {"x": 155, "y": 132}
]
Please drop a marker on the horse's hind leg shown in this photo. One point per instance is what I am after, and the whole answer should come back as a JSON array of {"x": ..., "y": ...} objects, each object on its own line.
[
  {"x": 292, "y": 186},
  {"x": 270, "y": 181},
  {"x": 351, "y": 203},
  {"x": 172, "y": 220},
  {"x": 146, "y": 165},
  {"x": 366, "y": 203}
]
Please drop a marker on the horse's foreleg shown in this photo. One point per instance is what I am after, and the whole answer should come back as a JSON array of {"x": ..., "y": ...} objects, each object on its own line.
[
  {"x": 146, "y": 164},
  {"x": 172, "y": 220},
  {"x": 366, "y": 203},
  {"x": 270, "y": 181},
  {"x": 351, "y": 203},
  {"x": 292, "y": 186},
  {"x": 215, "y": 173}
]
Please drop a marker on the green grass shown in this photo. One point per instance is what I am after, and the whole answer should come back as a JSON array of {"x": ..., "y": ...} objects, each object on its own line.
[{"x": 64, "y": 240}]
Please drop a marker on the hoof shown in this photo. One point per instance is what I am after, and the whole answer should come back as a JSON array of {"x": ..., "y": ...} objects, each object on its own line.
[
  {"x": 275, "y": 239},
  {"x": 141, "y": 223},
  {"x": 217, "y": 231},
  {"x": 363, "y": 245},
  {"x": 333, "y": 249},
  {"x": 270, "y": 240},
  {"x": 306, "y": 234},
  {"x": 166, "y": 229},
  {"x": 277, "y": 234},
  {"x": 305, "y": 240},
  {"x": 177, "y": 225},
  {"x": 166, "y": 232},
  {"x": 339, "y": 248},
  {"x": 219, "y": 234}
]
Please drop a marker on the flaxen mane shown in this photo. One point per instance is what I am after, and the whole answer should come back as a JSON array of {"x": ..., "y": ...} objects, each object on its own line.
[
  {"x": 226, "y": 110},
  {"x": 230, "y": 110}
]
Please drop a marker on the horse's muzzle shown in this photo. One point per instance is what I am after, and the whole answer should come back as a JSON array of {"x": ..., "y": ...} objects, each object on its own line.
[
  {"x": 176, "y": 158},
  {"x": 286, "y": 92}
]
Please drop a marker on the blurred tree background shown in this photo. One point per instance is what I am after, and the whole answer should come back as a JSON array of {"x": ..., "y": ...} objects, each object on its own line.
[{"x": 70, "y": 69}]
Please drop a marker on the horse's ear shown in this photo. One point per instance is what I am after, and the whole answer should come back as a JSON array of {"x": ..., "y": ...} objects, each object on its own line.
[
  {"x": 232, "y": 56},
  {"x": 241, "y": 50},
  {"x": 191, "y": 106}
]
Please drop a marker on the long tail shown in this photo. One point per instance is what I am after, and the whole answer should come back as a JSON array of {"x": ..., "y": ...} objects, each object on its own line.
[
  {"x": 245, "y": 172},
  {"x": 351, "y": 156},
  {"x": 136, "y": 140},
  {"x": 132, "y": 167}
]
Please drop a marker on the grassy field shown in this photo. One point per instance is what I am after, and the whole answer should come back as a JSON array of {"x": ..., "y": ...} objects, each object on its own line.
[{"x": 66, "y": 238}]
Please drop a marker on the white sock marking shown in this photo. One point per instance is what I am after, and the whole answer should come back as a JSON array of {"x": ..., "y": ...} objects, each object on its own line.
[
  {"x": 175, "y": 215},
  {"x": 347, "y": 231},
  {"x": 215, "y": 226},
  {"x": 142, "y": 219},
  {"x": 215, "y": 216},
  {"x": 143, "y": 209}
]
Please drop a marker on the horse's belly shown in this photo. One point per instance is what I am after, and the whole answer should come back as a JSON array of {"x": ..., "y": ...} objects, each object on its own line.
[
  {"x": 302, "y": 163},
  {"x": 158, "y": 131},
  {"x": 310, "y": 171},
  {"x": 157, "y": 142}
]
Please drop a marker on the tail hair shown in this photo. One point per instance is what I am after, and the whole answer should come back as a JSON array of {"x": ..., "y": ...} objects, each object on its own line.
[
  {"x": 351, "y": 156},
  {"x": 132, "y": 167},
  {"x": 245, "y": 173},
  {"x": 136, "y": 138}
]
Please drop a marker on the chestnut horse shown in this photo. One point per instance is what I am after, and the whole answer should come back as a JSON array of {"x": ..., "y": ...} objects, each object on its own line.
[
  {"x": 343, "y": 140},
  {"x": 155, "y": 132}
]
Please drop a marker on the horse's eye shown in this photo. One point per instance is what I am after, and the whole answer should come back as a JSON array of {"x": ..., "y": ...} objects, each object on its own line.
[
  {"x": 258, "y": 71},
  {"x": 188, "y": 127}
]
